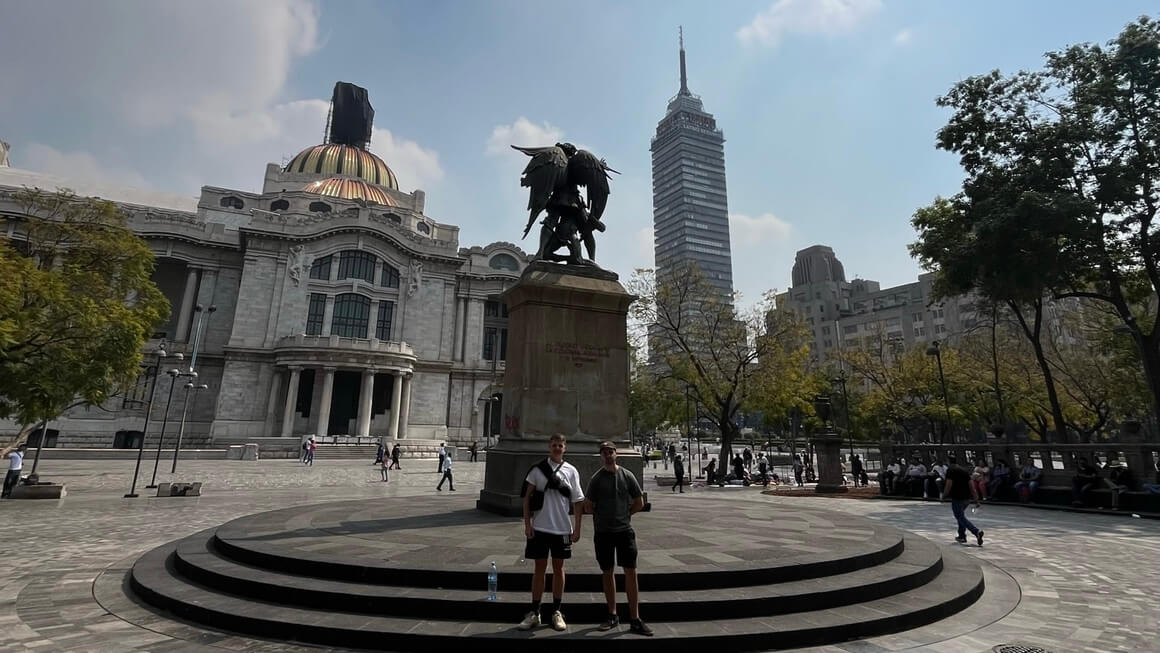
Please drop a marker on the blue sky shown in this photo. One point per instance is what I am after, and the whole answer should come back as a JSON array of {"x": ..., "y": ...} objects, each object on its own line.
[{"x": 827, "y": 105}]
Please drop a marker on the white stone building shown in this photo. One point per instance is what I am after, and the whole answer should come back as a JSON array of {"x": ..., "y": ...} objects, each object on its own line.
[{"x": 341, "y": 309}]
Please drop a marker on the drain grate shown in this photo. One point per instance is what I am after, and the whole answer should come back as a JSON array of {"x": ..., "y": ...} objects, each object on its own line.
[{"x": 1018, "y": 648}]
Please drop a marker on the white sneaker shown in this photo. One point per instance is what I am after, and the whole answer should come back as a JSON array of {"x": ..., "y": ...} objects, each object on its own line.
[
  {"x": 531, "y": 620},
  {"x": 558, "y": 621}
]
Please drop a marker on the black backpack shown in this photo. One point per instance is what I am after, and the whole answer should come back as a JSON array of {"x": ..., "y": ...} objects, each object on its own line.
[{"x": 553, "y": 484}]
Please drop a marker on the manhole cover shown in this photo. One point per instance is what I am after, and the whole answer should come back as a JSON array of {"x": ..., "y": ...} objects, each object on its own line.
[{"x": 1018, "y": 648}]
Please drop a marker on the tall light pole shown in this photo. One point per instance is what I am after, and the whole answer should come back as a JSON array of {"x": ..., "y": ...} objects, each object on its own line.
[
  {"x": 840, "y": 380},
  {"x": 173, "y": 374},
  {"x": 934, "y": 350},
  {"x": 192, "y": 373},
  {"x": 161, "y": 354}
]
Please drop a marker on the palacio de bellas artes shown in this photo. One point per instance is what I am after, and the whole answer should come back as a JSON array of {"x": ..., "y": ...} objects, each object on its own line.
[{"x": 327, "y": 304}]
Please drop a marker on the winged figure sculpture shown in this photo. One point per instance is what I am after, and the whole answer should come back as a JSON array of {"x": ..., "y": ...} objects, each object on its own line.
[{"x": 554, "y": 177}]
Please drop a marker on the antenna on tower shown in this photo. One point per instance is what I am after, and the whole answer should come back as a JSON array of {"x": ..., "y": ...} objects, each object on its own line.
[{"x": 684, "y": 80}]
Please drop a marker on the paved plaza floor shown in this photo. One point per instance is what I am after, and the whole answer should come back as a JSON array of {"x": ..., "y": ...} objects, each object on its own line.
[{"x": 1087, "y": 582}]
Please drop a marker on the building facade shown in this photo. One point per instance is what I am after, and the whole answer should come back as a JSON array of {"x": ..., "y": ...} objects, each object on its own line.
[
  {"x": 690, "y": 208},
  {"x": 327, "y": 303}
]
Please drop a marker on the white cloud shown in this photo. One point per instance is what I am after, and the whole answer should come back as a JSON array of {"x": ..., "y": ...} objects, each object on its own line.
[
  {"x": 903, "y": 37},
  {"x": 643, "y": 247},
  {"x": 79, "y": 166},
  {"x": 414, "y": 165},
  {"x": 746, "y": 231},
  {"x": 827, "y": 17},
  {"x": 524, "y": 133}
]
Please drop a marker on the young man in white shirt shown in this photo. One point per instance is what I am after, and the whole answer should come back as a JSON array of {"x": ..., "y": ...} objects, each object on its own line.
[
  {"x": 549, "y": 530},
  {"x": 15, "y": 464}
]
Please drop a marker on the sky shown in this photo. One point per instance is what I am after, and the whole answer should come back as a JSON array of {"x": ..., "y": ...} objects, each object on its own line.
[{"x": 828, "y": 106}]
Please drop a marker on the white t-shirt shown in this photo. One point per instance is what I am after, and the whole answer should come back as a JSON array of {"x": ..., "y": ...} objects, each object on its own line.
[
  {"x": 940, "y": 470},
  {"x": 15, "y": 461},
  {"x": 553, "y": 517}
]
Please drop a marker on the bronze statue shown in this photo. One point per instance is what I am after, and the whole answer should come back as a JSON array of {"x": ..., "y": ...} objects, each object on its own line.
[{"x": 554, "y": 177}]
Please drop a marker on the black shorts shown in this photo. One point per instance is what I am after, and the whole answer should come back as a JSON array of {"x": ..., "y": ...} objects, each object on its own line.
[
  {"x": 613, "y": 548},
  {"x": 540, "y": 544}
]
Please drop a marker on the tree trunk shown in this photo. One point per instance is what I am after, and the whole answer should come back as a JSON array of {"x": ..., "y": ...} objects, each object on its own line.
[
  {"x": 1149, "y": 346},
  {"x": 1032, "y": 333}
]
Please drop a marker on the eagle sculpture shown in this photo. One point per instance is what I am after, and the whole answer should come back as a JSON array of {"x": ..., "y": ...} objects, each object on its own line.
[{"x": 554, "y": 177}]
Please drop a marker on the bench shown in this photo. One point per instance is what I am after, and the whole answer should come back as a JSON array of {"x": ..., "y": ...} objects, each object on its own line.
[{"x": 44, "y": 490}]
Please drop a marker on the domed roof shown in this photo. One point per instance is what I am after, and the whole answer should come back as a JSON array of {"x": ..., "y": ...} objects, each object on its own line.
[
  {"x": 350, "y": 189},
  {"x": 339, "y": 159}
]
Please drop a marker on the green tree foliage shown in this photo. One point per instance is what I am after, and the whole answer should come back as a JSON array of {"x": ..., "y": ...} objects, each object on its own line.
[
  {"x": 1062, "y": 188},
  {"x": 76, "y": 305},
  {"x": 699, "y": 343}
]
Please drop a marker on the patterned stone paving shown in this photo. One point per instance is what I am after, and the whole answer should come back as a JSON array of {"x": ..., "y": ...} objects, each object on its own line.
[{"x": 1087, "y": 583}]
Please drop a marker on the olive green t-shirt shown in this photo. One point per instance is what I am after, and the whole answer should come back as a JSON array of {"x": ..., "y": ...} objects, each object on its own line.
[{"x": 612, "y": 493}]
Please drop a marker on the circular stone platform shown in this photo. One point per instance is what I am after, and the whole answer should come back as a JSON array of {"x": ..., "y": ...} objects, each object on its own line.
[{"x": 411, "y": 574}]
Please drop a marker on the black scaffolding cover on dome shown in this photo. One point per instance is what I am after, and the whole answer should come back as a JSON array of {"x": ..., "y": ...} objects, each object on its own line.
[{"x": 351, "y": 116}]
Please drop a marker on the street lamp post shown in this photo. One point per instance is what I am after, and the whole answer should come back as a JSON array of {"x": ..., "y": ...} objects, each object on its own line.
[
  {"x": 160, "y": 353},
  {"x": 173, "y": 374},
  {"x": 934, "y": 350},
  {"x": 202, "y": 320},
  {"x": 841, "y": 381}
]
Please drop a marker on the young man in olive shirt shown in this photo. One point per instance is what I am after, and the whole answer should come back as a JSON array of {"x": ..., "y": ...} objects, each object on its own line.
[
  {"x": 612, "y": 497},
  {"x": 961, "y": 491}
]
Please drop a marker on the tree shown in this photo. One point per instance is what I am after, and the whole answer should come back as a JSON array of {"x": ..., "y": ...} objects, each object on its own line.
[
  {"x": 698, "y": 341},
  {"x": 76, "y": 306},
  {"x": 1063, "y": 182}
]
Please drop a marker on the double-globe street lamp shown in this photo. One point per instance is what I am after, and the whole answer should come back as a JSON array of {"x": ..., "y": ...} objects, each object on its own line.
[
  {"x": 934, "y": 350},
  {"x": 192, "y": 373},
  {"x": 173, "y": 374},
  {"x": 161, "y": 355},
  {"x": 840, "y": 381}
]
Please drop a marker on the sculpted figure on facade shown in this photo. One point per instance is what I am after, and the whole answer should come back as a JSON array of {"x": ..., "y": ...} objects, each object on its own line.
[
  {"x": 554, "y": 177},
  {"x": 414, "y": 278},
  {"x": 297, "y": 262}
]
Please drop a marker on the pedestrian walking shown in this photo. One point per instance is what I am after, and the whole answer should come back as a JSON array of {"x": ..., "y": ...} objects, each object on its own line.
[
  {"x": 446, "y": 466},
  {"x": 379, "y": 454},
  {"x": 474, "y": 449},
  {"x": 395, "y": 457},
  {"x": 442, "y": 456},
  {"x": 550, "y": 487},
  {"x": 15, "y": 465},
  {"x": 798, "y": 468},
  {"x": 961, "y": 491},
  {"x": 309, "y": 446},
  {"x": 679, "y": 470},
  {"x": 384, "y": 467},
  {"x": 612, "y": 497},
  {"x": 763, "y": 469},
  {"x": 747, "y": 459}
]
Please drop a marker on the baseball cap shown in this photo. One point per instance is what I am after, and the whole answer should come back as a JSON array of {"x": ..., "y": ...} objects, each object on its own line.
[{"x": 607, "y": 445}]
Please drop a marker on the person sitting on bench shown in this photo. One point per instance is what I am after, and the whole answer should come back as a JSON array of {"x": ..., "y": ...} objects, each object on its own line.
[
  {"x": 1086, "y": 479},
  {"x": 1028, "y": 482}
]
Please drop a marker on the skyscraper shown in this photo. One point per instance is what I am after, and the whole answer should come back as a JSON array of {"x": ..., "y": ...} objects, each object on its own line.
[{"x": 690, "y": 210}]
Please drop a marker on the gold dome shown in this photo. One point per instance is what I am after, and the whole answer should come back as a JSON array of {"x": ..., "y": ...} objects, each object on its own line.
[
  {"x": 339, "y": 159},
  {"x": 350, "y": 189}
]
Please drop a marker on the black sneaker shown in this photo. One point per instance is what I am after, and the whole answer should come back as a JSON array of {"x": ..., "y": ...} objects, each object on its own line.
[
  {"x": 979, "y": 537},
  {"x": 640, "y": 628},
  {"x": 611, "y": 622},
  {"x": 961, "y": 540}
]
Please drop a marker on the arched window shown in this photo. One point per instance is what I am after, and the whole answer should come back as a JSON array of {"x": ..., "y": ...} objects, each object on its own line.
[
  {"x": 504, "y": 262},
  {"x": 393, "y": 218},
  {"x": 352, "y": 313},
  {"x": 279, "y": 205},
  {"x": 320, "y": 207},
  {"x": 232, "y": 202},
  {"x": 390, "y": 276},
  {"x": 355, "y": 264},
  {"x": 320, "y": 269},
  {"x": 424, "y": 228}
]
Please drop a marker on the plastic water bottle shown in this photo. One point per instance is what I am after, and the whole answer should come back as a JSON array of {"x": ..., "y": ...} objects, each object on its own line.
[{"x": 492, "y": 581}]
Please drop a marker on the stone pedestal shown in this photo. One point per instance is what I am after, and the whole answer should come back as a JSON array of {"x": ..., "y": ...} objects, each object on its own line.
[
  {"x": 566, "y": 372},
  {"x": 828, "y": 447}
]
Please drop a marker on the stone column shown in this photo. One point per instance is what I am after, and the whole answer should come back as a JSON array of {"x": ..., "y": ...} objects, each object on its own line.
[
  {"x": 327, "y": 314},
  {"x": 323, "y": 426},
  {"x": 373, "y": 321},
  {"x": 827, "y": 446},
  {"x": 365, "y": 395},
  {"x": 187, "y": 300},
  {"x": 291, "y": 402},
  {"x": 460, "y": 316},
  {"x": 272, "y": 401},
  {"x": 405, "y": 410},
  {"x": 396, "y": 394}
]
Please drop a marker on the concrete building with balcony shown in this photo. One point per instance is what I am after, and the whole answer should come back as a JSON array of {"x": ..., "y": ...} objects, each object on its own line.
[{"x": 341, "y": 307}]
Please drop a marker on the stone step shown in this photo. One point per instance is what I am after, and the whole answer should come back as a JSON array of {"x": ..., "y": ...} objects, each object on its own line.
[
  {"x": 241, "y": 541},
  {"x": 197, "y": 559},
  {"x": 155, "y": 579}
]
